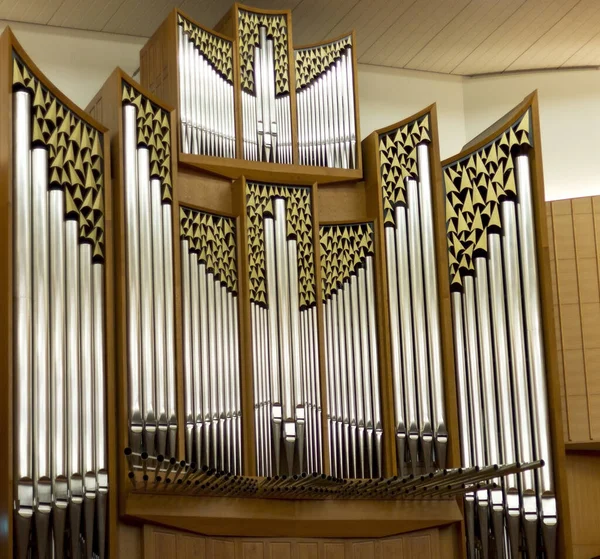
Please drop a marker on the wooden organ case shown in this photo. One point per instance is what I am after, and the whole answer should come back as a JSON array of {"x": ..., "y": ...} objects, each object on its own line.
[{"x": 311, "y": 336}]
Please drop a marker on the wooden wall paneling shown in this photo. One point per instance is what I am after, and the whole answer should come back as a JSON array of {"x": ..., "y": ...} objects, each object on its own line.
[
  {"x": 248, "y": 427},
  {"x": 557, "y": 323},
  {"x": 552, "y": 380},
  {"x": 160, "y": 543},
  {"x": 342, "y": 202},
  {"x": 571, "y": 346}
]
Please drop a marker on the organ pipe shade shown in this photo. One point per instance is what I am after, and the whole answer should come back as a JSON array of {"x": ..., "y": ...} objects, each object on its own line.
[
  {"x": 417, "y": 375},
  {"x": 59, "y": 371},
  {"x": 351, "y": 348},
  {"x": 501, "y": 374},
  {"x": 286, "y": 378},
  {"x": 211, "y": 347},
  {"x": 206, "y": 93},
  {"x": 325, "y": 104},
  {"x": 147, "y": 193}
]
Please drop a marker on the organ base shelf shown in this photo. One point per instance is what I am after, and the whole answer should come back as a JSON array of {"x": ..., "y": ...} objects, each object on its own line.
[
  {"x": 274, "y": 173},
  {"x": 277, "y": 518}
]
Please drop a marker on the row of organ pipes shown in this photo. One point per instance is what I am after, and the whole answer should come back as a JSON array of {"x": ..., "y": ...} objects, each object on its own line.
[
  {"x": 325, "y": 106},
  {"x": 211, "y": 350},
  {"x": 418, "y": 387},
  {"x": 351, "y": 353},
  {"x": 206, "y": 95},
  {"x": 60, "y": 442},
  {"x": 285, "y": 351},
  {"x": 499, "y": 348},
  {"x": 150, "y": 299},
  {"x": 267, "y": 124}
]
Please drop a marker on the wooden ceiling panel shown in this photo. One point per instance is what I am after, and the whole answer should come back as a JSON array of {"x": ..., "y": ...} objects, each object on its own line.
[
  {"x": 465, "y": 37},
  {"x": 463, "y": 34},
  {"x": 84, "y": 14},
  {"x": 207, "y": 12},
  {"x": 313, "y": 20},
  {"x": 370, "y": 20},
  {"x": 587, "y": 55},
  {"x": 412, "y": 31},
  {"x": 530, "y": 22},
  {"x": 563, "y": 39},
  {"x": 139, "y": 17},
  {"x": 31, "y": 11}
]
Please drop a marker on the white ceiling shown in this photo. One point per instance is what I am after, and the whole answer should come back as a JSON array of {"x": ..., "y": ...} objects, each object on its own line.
[{"x": 462, "y": 37}]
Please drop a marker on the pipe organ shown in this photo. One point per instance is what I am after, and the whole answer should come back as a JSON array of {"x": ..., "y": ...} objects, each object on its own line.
[
  {"x": 320, "y": 351},
  {"x": 285, "y": 349},
  {"x": 325, "y": 104},
  {"x": 420, "y": 417},
  {"x": 147, "y": 193},
  {"x": 210, "y": 340},
  {"x": 60, "y": 486},
  {"x": 353, "y": 396},
  {"x": 501, "y": 355}
]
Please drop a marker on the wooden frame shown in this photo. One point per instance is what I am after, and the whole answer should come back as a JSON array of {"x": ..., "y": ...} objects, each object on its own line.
[
  {"x": 564, "y": 548},
  {"x": 159, "y": 74},
  {"x": 8, "y": 45}
]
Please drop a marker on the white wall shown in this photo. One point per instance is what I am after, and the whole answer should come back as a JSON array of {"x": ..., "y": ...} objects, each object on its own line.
[
  {"x": 77, "y": 62},
  {"x": 388, "y": 95},
  {"x": 569, "y": 121}
]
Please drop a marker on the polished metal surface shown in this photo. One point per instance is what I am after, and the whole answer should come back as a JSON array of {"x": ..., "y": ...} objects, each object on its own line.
[
  {"x": 187, "y": 261},
  {"x": 407, "y": 332},
  {"x": 160, "y": 348},
  {"x": 434, "y": 342},
  {"x": 535, "y": 345},
  {"x": 203, "y": 454},
  {"x": 273, "y": 345},
  {"x": 146, "y": 300},
  {"x": 22, "y": 313},
  {"x": 58, "y": 372},
  {"x": 395, "y": 347},
  {"x": 167, "y": 221},
  {"x": 193, "y": 381},
  {"x": 136, "y": 421}
]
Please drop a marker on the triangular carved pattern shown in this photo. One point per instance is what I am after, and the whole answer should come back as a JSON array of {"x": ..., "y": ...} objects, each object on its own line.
[
  {"x": 398, "y": 162},
  {"x": 212, "y": 237},
  {"x": 276, "y": 25},
  {"x": 475, "y": 186},
  {"x": 259, "y": 199},
  {"x": 344, "y": 249},
  {"x": 218, "y": 51},
  {"x": 153, "y": 132},
  {"x": 75, "y": 157},
  {"x": 311, "y": 63}
]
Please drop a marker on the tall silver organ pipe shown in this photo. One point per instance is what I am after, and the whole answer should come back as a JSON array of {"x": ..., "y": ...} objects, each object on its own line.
[
  {"x": 210, "y": 340},
  {"x": 149, "y": 275},
  {"x": 500, "y": 354},
  {"x": 60, "y": 432},
  {"x": 266, "y": 109},
  {"x": 206, "y": 94},
  {"x": 347, "y": 254},
  {"x": 421, "y": 433},
  {"x": 287, "y": 396},
  {"x": 325, "y": 105}
]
